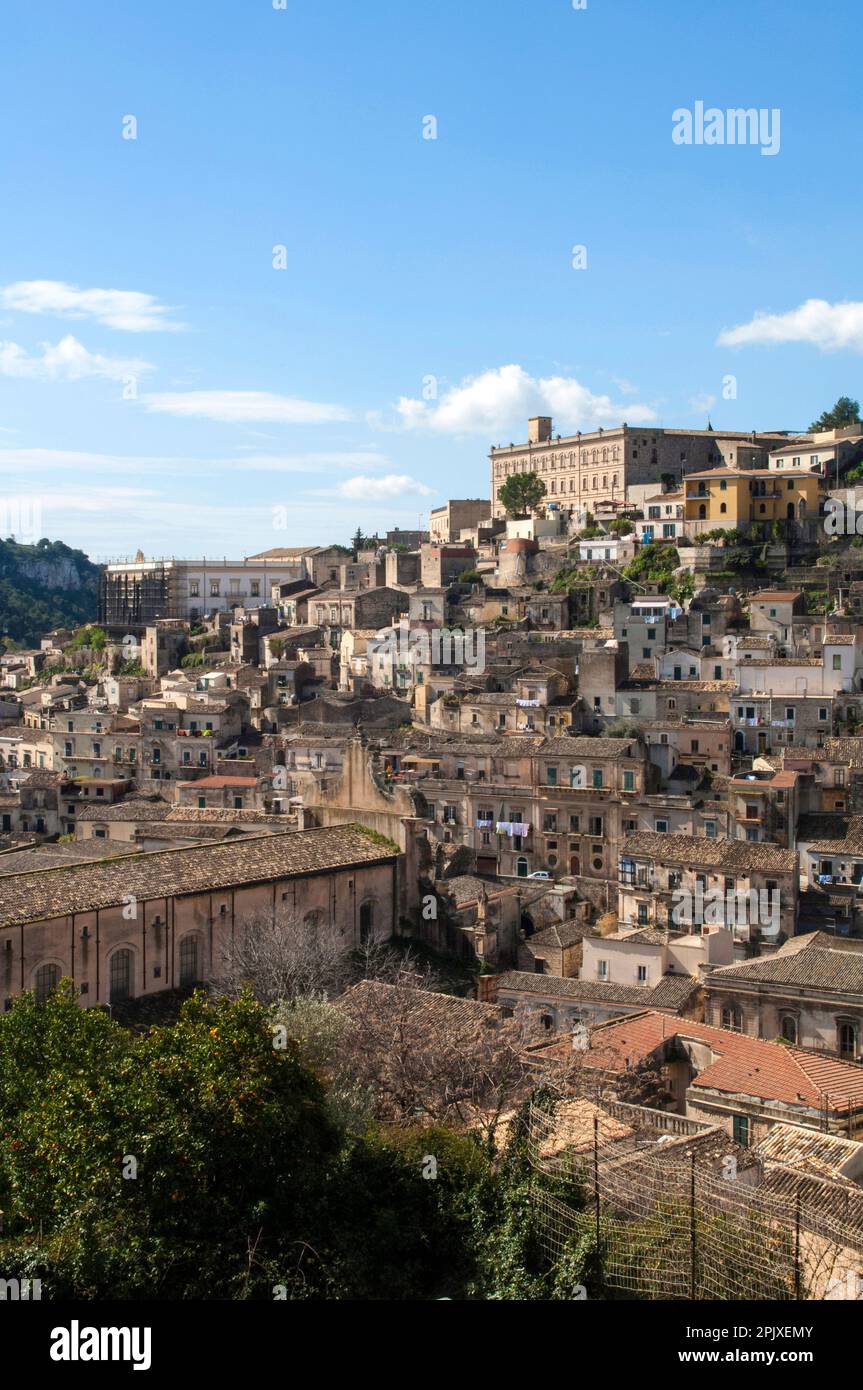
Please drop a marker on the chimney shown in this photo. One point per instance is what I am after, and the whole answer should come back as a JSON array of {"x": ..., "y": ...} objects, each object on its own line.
[{"x": 539, "y": 429}]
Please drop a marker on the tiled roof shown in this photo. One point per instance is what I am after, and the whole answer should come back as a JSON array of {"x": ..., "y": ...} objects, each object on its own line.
[
  {"x": 776, "y": 595},
  {"x": 561, "y": 934},
  {"x": 219, "y": 783},
  {"x": 437, "y": 1009},
  {"x": 831, "y": 833},
  {"x": 740, "y": 1066},
  {"x": 844, "y": 750},
  {"x": 740, "y": 855},
  {"x": 582, "y": 747},
  {"x": 673, "y": 992},
  {"x": 130, "y": 809},
  {"x": 465, "y": 889},
  {"x": 217, "y": 815},
  {"x": 711, "y": 687},
  {"x": 809, "y": 1149},
  {"x": 30, "y": 897},
  {"x": 816, "y": 961},
  {"x": 562, "y": 987}
]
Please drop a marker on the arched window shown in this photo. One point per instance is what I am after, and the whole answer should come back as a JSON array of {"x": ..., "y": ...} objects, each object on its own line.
[
  {"x": 732, "y": 1018},
  {"x": 120, "y": 976},
  {"x": 788, "y": 1028},
  {"x": 189, "y": 973},
  {"x": 521, "y": 867},
  {"x": 723, "y": 507},
  {"x": 702, "y": 512},
  {"x": 47, "y": 978}
]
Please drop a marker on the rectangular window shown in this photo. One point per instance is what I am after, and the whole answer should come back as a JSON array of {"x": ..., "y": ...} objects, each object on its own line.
[
  {"x": 629, "y": 781},
  {"x": 661, "y": 827},
  {"x": 551, "y": 777},
  {"x": 740, "y": 1130},
  {"x": 597, "y": 778}
]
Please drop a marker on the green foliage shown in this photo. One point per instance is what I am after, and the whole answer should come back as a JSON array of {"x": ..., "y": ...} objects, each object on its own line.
[
  {"x": 845, "y": 412},
  {"x": 37, "y": 592},
  {"x": 228, "y": 1133},
  {"x": 194, "y": 659},
  {"x": 88, "y": 638},
  {"x": 522, "y": 492},
  {"x": 621, "y": 526},
  {"x": 653, "y": 564},
  {"x": 470, "y": 577}
]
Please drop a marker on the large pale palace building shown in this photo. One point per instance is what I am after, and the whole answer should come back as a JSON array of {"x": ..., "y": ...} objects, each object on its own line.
[{"x": 609, "y": 465}]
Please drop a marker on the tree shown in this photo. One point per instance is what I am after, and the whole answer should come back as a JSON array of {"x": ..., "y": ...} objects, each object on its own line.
[
  {"x": 288, "y": 959},
  {"x": 438, "y": 1060},
  {"x": 156, "y": 1166},
  {"x": 845, "y": 412},
  {"x": 522, "y": 492}
]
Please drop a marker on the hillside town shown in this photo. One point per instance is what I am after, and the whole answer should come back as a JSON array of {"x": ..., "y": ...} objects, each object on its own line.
[{"x": 595, "y": 740}]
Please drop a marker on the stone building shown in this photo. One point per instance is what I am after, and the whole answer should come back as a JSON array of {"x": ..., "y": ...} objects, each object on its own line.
[
  {"x": 674, "y": 881},
  {"x": 447, "y": 522},
  {"x": 621, "y": 464},
  {"x": 809, "y": 992},
  {"x": 120, "y": 929}
]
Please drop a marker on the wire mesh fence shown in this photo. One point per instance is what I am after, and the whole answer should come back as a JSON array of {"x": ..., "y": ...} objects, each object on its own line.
[{"x": 681, "y": 1215}]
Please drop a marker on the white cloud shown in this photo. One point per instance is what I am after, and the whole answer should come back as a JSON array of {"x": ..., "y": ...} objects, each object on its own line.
[
  {"x": 313, "y": 463},
  {"x": 504, "y": 397},
  {"x": 67, "y": 360},
  {"x": 238, "y": 407},
  {"x": 625, "y": 387},
  {"x": 129, "y": 310},
  {"x": 391, "y": 485},
  {"x": 829, "y": 327}
]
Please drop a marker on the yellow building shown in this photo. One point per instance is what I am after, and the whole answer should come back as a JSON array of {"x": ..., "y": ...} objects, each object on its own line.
[{"x": 730, "y": 497}]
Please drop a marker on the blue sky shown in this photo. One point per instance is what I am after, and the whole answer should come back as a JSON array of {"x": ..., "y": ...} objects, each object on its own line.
[{"x": 162, "y": 385}]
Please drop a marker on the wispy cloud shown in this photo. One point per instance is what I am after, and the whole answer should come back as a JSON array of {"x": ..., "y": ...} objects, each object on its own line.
[
  {"x": 67, "y": 360},
  {"x": 829, "y": 327},
  {"x": 45, "y": 462},
  {"x": 241, "y": 407},
  {"x": 392, "y": 485},
  {"x": 701, "y": 402},
  {"x": 311, "y": 462},
  {"x": 130, "y": 311},
  {"x": 505, "y": 396}
]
